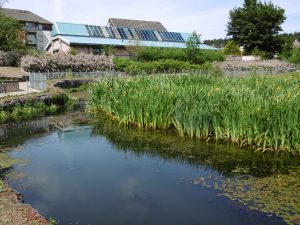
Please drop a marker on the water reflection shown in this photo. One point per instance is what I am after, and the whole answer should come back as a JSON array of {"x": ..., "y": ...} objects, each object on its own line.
[
  {"x": 91, "y": 175},
  {"x": 227, "y": 159}
]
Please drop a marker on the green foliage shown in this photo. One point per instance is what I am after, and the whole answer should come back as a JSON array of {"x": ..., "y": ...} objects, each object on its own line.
[
  {"x": 3, "y": 116},
  {"x": 161, "y": 66},
  {"x": 231, "y": 48},
  {"x": 256, "y": 25},
  {"x": 59, "y": 99},
  {"x": 108, "y": 50},
  {"x": 72, "y": 51},
  {"x": 155, "y": 54},
  {"x": 11, "y": 34},
  {"x": 32, "y": 109},
  {"x": 295, "y": 56},
  {"x": 52, "y": 221},
  {"x": 1, "y": 185},
  {"x": 217, "y": 43},
  {"x": 192, "y": 49},
  {"x": 225, "y": 108}
]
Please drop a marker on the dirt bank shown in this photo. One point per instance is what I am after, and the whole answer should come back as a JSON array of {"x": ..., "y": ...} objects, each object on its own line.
[{"x": 14, "y": 212}]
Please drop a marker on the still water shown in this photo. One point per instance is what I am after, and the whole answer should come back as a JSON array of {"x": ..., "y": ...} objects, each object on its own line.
[{"x": 113, "y": 176}]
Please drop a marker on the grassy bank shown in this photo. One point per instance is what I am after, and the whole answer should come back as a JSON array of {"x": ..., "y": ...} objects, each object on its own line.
[
  {"x": 32, "y": 107},
  {"x": 258, "y": 111}
]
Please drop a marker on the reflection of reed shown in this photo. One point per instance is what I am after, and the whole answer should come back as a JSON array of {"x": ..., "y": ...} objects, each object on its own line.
[
  {"x": 23, "y": 129},
  {"x": 223, "y": 158}
]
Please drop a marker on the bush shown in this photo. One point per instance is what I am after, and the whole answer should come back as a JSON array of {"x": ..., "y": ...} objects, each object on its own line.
[
  {"x": 272, "y": 64},
  {"x": 295, "y": 57},
  {"x": 64, "y": 62},
  {"x": 231, "y": 48},
  {"x": 161, "y": 66},
  {"x": 155, "y": 54},
  {"x": 12, "y": 58}
]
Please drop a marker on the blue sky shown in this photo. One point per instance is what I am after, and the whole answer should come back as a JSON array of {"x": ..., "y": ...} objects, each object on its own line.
[{"x": 209, "y": 18}]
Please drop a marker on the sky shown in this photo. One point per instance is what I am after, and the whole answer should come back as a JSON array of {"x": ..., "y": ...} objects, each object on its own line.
[{"x": 208, "y": 18}]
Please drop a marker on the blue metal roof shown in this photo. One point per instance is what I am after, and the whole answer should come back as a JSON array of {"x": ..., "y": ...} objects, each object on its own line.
[
  {"x": 71, "y": 29},
  {"x": 76, "y": 40},
  {"x": 77, "y": 34}
]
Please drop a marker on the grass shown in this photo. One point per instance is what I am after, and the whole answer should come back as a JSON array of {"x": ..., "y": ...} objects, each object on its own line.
[{"x": 258, "y": 111}]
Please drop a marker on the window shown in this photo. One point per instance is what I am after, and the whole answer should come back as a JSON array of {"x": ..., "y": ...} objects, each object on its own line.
[{"x": 97, "y": 51}]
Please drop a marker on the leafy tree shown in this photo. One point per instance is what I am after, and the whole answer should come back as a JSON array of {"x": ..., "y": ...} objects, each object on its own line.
[
  {"x": 192, "y": 49},
  {"x": 11, "y": 34},
  {"x": 231, "y": 48},
  {"x": 256, "y": 25}
]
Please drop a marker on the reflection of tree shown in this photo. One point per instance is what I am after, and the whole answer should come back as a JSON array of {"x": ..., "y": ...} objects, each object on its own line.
[{"x": 226, "y": 159}]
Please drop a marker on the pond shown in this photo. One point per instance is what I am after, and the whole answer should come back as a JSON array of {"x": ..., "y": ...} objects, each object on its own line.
[{"x": 107, "y": 174}]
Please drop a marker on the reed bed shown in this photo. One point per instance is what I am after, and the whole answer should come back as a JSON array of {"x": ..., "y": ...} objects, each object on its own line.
[{"x": 258, "y": 111}]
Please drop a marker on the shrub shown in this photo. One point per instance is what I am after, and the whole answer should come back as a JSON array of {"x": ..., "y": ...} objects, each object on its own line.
[
  {"x": 231, "y": 48},
  {"x": 295, "y": 57},
  {"x": 59, "y": 99},
  {"x": 64, "y": 62},
  {"x": 12, "y": 58},
  {"x": 3, "y": 116},
  {"x": 161, "y": 66},
  {"x": 272, "y": 64},
  {"x": 155, "y": 54}
]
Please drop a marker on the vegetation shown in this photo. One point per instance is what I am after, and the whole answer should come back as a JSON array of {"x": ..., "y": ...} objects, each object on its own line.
[
  {"x": 273, "y": 65},
  {"x": 295, "y": 56},
  {"x": 64, "y": 62},
  {"x": 256, "y": 25},
  {"x": 11, "y": 58},
  {"x": 231, "y": 48},
  {"x": 140, "y": 53},
  {"x": 161, "y": 66},
  {"x": 11, "y": 34},
  {"x": 32, "y": 109},
  {"x": 262, "y": 112},
  {"x": 217, "y": 43},
  {"x": 192, "y": 50}
]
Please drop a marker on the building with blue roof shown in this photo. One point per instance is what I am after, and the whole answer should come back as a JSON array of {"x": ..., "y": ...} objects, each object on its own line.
[{"x": 119, "y": 33}]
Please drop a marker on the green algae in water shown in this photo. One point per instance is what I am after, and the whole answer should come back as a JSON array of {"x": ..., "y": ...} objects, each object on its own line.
[
  {"x": 277, "y": 194},
  {"x": 6, "y": 161}
]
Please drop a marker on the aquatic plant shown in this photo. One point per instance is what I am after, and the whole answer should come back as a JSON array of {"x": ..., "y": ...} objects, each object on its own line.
[{"x": 258, "y": 111}]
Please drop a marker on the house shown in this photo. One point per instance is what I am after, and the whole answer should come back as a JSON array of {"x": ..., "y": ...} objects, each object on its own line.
[
  {"x": 38, "y": 30},
  {"x": 119, "y": 33}
]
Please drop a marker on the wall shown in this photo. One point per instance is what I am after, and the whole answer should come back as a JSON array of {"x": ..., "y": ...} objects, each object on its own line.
[
  {"x": 43, "y": 38},
  {"x": 82, "y": 49}
]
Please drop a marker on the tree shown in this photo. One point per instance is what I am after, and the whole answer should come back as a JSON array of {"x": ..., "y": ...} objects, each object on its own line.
[
  {"x": 256, "y": 25},
  {"x": 231, "y": 48},
  {"x": 192, "y": 49},
  {"x": 11, "y": 34}
]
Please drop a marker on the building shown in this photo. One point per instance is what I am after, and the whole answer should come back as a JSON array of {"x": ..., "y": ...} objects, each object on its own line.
[
  {"x": 38, "y": 30},
  {"x": 118, "y": 32}
]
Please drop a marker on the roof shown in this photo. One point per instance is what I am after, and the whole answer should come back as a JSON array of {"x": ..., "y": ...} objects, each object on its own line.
[
  {"x": 24, "y": 15},
  {"x": 11, "y": 73},
  {"x": 69, "y": 29},
  {"x": 139, "y": 24},
  {"x": 96, "y": 41}
]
